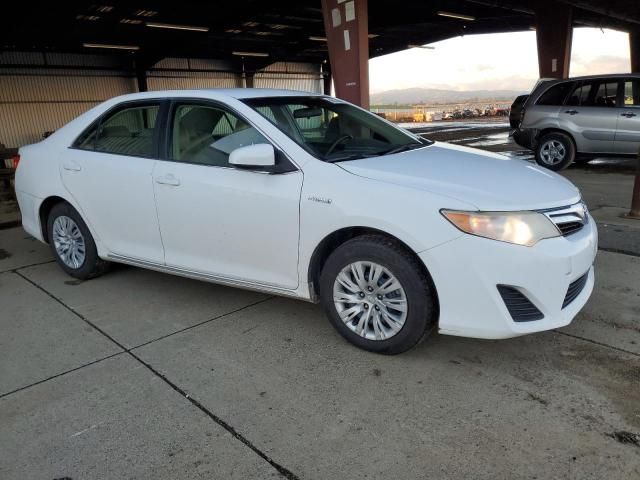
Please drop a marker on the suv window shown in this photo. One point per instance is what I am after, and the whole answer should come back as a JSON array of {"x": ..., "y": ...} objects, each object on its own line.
[
  {"x": 580, "y": 95},
  {"x": 207, "y": 135},
  {"x": 556, "y": 94},
  {"x": 603, "y": 94},
  {"x": 632, "y": 93},
  {"x": 128, "y": 131}
]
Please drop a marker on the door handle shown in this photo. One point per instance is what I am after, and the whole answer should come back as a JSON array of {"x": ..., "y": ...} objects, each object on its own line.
[
  {"x": 168, "y": 180},
  {"x": 628, "y": 114},
  {"x": 571, "y": 112},
  {"x": 71, "y": 166}
]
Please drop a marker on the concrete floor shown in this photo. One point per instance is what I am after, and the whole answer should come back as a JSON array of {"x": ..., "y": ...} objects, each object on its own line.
[{"x": 143, "y": 375}]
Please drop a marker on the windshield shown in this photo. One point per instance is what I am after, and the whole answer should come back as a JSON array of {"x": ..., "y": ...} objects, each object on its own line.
[{"x": 334, "y": 131}]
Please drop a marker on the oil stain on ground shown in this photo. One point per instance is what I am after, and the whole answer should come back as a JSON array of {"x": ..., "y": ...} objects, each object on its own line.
[{"x": 4, "y": 254}]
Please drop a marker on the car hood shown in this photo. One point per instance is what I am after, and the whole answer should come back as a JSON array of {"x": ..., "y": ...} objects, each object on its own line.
[{"x": 486, "y": 180}]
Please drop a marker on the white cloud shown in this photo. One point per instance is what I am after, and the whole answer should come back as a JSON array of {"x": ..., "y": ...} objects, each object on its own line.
[{"x": 499, "y": 61}]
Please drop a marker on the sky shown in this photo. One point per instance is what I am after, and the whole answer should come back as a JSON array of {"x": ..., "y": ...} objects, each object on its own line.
[{"x": 498, "y": 61}]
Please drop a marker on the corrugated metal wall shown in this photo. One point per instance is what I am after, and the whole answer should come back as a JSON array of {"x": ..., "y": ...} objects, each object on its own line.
[
  {"x": 38, "y": 93},
  {"x": 189, "y": 73},
  {"x": 291, "y": 76}
]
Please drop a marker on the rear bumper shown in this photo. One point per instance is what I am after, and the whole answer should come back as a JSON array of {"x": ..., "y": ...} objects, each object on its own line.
[
  {"x": 525, "y": 137},
  {"x": 467, "y": 271},
  {"x": 29, "y": 210}
]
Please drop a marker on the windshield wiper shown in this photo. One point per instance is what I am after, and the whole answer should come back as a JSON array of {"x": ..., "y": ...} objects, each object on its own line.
[
  {"x": 402, "y": 148},
  {"x": 355, "y": 156}
]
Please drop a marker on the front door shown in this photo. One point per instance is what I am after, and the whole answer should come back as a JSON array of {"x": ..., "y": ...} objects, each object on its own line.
[
  {"x": 628, "y": 132},
  {"x": 108, "y": 173},
  {"x": 233, "y": 223}
]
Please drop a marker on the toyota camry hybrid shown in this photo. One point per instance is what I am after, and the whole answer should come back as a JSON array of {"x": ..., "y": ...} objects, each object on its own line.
[{"x": 311, "y": 197}]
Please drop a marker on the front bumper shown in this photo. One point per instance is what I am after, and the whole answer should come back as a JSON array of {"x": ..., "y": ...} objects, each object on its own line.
[{"x": 466, "y": 272}]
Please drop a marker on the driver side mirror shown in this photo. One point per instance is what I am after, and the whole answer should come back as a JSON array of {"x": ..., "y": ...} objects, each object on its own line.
[{"x": 258, "y": 155}]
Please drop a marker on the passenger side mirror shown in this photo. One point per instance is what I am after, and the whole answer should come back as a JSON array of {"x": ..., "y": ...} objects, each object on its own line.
[{"x": 258, "y": 155}]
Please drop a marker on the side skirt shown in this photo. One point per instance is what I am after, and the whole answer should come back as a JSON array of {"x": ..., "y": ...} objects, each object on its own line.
[{"x": 257, "y": 287}]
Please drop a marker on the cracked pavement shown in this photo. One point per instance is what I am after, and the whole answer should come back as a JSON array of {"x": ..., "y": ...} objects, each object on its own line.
[{"x": 139, "y": 374}]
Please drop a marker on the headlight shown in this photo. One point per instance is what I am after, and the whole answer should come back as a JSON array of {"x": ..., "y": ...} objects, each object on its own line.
[{"x": 521, "y": 228}]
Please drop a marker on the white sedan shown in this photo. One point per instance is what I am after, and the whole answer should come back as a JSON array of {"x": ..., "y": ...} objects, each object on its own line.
[{"x": 311, "y": 197}]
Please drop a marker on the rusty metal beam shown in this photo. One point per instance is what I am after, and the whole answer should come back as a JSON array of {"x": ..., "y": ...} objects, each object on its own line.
[
  {"x": 346, "y": 29},
  {"x": 554, "y": 35},
  {"x": 634, "y": 48}
]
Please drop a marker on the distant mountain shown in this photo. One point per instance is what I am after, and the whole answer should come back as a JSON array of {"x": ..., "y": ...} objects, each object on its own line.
[{"x": 434, "y": 95}]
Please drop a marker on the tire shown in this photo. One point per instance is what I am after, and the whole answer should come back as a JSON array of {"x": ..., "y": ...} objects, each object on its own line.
[
  {"x": 555, "y": 151},
  {"x": 70, "y": 228},
  {"x": 376, "y": 253}
]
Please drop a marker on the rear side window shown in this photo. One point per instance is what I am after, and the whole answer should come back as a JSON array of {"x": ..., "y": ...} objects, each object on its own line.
[
  {"x": 580, "y": 95},
  {"x": 555, "y": 95},
  {"x": 603, "y": 94},
  {"x": 127, "y": 131}
]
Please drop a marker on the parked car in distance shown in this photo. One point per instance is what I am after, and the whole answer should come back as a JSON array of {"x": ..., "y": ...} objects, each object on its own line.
[
  {"x": 581, "y": 118},
  {"x": 311, "y": 197}
]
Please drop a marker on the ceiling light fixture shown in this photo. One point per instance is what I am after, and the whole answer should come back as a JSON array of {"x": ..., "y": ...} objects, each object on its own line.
[
  {"x": 115, "y": 47},
  {"x": 250, "y": 54},
  {"x": 459, "y": 16},
  {"x": 172, "y": 26}
]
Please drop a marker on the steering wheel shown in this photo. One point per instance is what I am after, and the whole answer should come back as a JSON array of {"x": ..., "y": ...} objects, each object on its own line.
[{"x": 339, "y": 140}]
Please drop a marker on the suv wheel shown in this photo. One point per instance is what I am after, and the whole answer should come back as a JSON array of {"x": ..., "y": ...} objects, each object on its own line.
[
  {"x": 72, "y": 244},
  {"x": 555, "y": 151},
  {"x": 377, "y": 295}
]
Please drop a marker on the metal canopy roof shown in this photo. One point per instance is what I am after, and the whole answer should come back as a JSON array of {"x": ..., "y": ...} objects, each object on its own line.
[{"x": 284, "y": 30}]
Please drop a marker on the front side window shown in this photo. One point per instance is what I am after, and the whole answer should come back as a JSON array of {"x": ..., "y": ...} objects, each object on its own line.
[
  {"x": 128, "y": 131},
  {"x": 207, "y": 135},
  {"x": 632, "y": 93},
  {"x": 332, "y": 130}
]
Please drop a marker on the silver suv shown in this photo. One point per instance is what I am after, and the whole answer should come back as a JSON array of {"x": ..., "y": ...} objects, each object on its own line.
[{"x": 580, "y": 119}]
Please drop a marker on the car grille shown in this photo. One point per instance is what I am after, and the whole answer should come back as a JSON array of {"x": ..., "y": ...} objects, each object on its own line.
[
  {"x": 520, "y": 307},
  {"x": 569, "y": 219},
  {"x": 575, "y": 288}
]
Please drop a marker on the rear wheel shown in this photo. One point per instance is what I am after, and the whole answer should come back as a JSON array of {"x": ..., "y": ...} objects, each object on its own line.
[
  {"x": 555, "y": 151},
  {"x": 377, "y": 295},
  {"x": 72, "y": 244}
]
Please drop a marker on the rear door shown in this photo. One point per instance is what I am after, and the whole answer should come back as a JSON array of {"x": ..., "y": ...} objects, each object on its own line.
[
  {"x": 108, "y": 172},
  {"x": 591, "y": 116},
  {"x": 627, "y": 139}
]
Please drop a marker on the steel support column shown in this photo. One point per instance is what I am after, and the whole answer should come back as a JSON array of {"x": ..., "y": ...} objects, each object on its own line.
[
  {"x": 347, "y": 31},
  {"x": 634, "y": 44},
  {"x": 141, "y": 74},
  {"x": 554, "y": 34}
]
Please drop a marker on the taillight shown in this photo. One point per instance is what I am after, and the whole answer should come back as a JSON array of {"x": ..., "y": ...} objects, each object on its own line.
[{"x": 15, "y": 160}]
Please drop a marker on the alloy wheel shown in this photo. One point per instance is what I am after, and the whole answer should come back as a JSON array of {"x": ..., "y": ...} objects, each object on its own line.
[
  {"x": 370, "y": 300},
  {"x": 69, "y": 242},
  {"x": 553, "y": 152}
]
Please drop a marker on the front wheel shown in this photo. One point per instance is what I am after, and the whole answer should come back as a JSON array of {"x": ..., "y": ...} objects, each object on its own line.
[
  {"x": 377, "y": 295},
  {"x": 72, "y": 244},
  {"x": 555, "y": 151}
]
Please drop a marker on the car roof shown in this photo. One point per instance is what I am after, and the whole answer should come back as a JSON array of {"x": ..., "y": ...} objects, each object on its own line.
[
  {"x": 591, "y": 77},
  {"x": 218, "y": 93}
]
